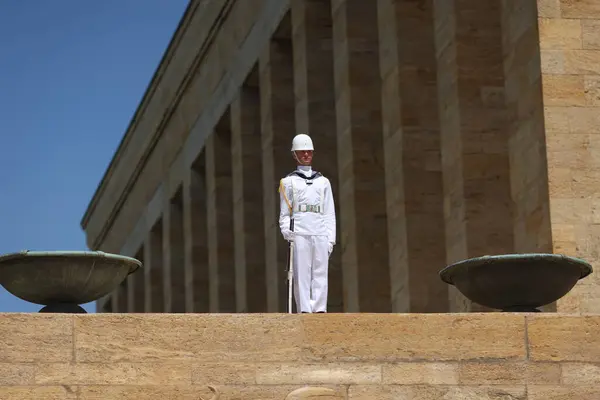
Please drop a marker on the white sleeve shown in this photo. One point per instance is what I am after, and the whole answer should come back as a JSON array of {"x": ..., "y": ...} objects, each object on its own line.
[
  {"x": 284, "y": 211},
  {"x": 329, "y": 213}
]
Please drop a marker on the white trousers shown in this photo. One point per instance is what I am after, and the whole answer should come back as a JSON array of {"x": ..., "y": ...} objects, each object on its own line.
[{"x": 311, "y": 264}]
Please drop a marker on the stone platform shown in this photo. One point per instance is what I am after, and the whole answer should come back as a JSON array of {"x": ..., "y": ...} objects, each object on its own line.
[{"x": 268, "y": 356}]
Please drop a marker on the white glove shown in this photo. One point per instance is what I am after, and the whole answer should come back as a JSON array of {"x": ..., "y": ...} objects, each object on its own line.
[
  {"x": 290, "y": 237},
  {"x": 330, "y": 248}
]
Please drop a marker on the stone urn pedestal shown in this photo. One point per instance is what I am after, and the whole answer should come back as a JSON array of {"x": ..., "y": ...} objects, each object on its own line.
[
  {"x": 516, "y": 282},
  {"x": 62, "y": 281}
]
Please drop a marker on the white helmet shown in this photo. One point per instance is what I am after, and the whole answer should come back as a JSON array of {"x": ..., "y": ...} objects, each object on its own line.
[{"x": 302, "y": 142}]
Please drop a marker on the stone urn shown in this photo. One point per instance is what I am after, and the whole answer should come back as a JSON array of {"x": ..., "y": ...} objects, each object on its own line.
[
  {"x": 62, "y": 281},
  {"x": 516, "y": 282}
]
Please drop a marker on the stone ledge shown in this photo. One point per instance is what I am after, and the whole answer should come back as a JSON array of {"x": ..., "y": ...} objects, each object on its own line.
[
  {"x": 284, "y": 338},
  {"x": 258, "y": 356}
]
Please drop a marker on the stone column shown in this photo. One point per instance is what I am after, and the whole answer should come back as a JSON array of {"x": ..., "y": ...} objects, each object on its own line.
[
  {"x": 276, "y": 66},
  {"x": 130, "y": 294},
  {"x": 315, "y": 115},
  {"x": 526, "y": 137},
  {"x": 135, "y": 287},
  {"x": 195, "y": 238},
  {"x": 173, "y": 254},
  {"x": 114, "y": 300},
  {"x": 119, "y": 298},
  {"x": 475, "y": 159},
  {"x": 360, "y": 152},
  {"x": 153, "y": 270},
  {"x": 105, "y": 304},
  {"x": 246, "y": 150},
  {"x": 220, "y": 218},
  {"x": 411, "y": 137}
]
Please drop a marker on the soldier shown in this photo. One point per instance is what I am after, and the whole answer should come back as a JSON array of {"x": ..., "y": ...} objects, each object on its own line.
[{"x": 307, "y": 218}]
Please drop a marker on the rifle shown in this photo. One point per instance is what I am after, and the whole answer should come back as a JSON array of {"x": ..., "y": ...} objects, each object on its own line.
[{"x": 290, "y": 276}]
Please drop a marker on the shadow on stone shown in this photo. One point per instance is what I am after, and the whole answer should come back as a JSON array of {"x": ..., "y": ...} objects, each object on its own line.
[
  {"x": 61, "y": 281},
  {"x": 516, "y": 282}
]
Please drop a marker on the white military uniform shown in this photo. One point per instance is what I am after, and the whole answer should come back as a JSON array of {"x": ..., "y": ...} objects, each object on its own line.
[{"x": 307, "y": 196}]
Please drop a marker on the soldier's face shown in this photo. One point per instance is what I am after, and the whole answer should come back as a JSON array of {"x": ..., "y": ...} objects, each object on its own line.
[{"x": 304, "y": 157}]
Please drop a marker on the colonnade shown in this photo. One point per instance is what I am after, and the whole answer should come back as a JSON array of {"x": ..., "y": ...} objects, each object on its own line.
[{"x": 416, "y": 109}]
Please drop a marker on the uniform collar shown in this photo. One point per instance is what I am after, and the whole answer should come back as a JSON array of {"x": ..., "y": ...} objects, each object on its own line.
[{"x": 306, "y": 170}]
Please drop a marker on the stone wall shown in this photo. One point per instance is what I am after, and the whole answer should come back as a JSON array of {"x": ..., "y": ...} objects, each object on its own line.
[
  {"x": 358, "y": 356},
  {"x": 569, "y": 37}
]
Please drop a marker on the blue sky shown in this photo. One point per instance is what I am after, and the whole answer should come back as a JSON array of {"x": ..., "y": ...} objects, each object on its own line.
[{"x": 72, "y": 73}]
